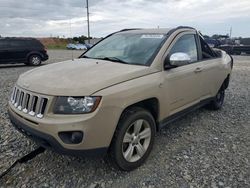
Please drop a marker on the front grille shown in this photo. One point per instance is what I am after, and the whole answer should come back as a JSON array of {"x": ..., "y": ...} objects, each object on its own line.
[{"x": 29, "y": 103}]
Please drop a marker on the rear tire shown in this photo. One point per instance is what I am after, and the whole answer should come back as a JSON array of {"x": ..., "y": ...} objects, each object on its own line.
[
  {"x": 133, "y": 139},
  {"x": 218, "y": 101},
  {"x": 35, "y": 60}
]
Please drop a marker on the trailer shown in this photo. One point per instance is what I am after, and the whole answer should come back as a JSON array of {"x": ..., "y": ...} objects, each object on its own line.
[{"x": 235, "y": 49}]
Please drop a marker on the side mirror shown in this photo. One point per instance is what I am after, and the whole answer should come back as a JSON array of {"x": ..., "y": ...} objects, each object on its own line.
[{"x": 179, "y": 59}]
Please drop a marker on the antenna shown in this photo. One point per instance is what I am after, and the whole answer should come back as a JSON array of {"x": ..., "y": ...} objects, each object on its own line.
[
  {"x": 87, "y": 3},
  {"x": 72, "y": 55}
]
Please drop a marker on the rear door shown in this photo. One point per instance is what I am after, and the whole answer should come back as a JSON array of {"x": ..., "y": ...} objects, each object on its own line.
[
  {"x": 19, "y": 49},
  {"x": 182, "y": 84},
  {"x": 210, "y": 64}
]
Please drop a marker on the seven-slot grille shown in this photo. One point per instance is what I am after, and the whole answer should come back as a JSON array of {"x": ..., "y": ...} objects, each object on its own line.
[{"x": 28, "y": 103}]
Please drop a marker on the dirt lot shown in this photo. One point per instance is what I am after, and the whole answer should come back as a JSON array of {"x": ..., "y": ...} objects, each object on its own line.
[{"x": 203, "y": 149}]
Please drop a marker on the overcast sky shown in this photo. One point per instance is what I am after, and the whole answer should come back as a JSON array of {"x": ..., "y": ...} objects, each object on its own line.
[{"x": 41, "y": 18}]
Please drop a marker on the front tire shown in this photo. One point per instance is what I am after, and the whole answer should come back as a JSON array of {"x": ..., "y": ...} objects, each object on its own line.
[
  {"x": 133, "y": 140},
  {"x": 35, "y": 60},
  {"x": 218, "y": 101}
]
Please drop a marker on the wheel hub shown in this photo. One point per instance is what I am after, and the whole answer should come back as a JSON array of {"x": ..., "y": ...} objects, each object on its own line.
[{"x": 135, "y": 140}]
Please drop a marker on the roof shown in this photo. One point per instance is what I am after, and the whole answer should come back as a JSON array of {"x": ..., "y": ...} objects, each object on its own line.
[
  {"x": 160, "y": 31},
  {"x": 17, "y": 38}
]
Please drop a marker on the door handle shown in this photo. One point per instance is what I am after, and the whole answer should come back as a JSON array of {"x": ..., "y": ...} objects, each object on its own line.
[{"x": 198, "y": 69}]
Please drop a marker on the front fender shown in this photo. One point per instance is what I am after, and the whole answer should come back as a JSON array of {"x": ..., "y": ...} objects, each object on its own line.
[{"x": 125, "y": 94}]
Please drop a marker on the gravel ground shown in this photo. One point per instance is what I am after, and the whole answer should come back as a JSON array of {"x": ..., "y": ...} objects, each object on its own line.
[{"x": 203, "y": 149}]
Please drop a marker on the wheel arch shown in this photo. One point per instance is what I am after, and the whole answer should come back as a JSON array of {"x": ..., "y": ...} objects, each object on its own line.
[
  {"x": 225, "y": 83},
  {"x": 149, "y": 104},
  {"x": 33, "y": 53}
]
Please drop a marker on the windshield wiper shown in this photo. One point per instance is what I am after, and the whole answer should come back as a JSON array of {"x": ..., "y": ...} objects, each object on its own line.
[
  {"x": 114, "y": 59},
  {"x": 84, "y": 56}
]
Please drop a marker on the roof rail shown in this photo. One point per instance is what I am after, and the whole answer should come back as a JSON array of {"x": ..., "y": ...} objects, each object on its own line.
[
  {"x": 184, "y": 27},
  {"x": 129, "y": 29},
  {"x": 179, "y": 27}
]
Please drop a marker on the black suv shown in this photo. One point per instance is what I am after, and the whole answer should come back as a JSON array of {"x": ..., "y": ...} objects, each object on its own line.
[{"x": 22, "y": 50}]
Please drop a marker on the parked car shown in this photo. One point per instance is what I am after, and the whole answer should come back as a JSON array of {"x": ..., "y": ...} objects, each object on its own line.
[
  {"x": 76, "y": 46},
  {"x": 71, "y": 46},
  {"x": 81, "y": 47},
  {"x": 117, "y": 95},
  {"x": 22, "y": 50},
  {"x": 88, "y": 46}
]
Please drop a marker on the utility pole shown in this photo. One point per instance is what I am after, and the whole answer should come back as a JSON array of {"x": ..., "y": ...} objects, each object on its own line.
[
  {"x": 231, "y": 32},
  {"x": 87, "y": 6}
]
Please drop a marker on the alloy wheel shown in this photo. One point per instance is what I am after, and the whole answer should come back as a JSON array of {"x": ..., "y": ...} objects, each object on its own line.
[
  {"x": 136, "y": 140},
  {"x": 35, "y": 60}
]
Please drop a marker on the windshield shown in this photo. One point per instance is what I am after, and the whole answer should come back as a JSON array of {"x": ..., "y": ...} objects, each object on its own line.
[{"x": 129, "y": 48}]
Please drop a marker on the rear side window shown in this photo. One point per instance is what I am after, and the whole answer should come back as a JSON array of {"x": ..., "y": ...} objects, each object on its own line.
[
  {"x": 186, "y": 44},
  {"x": 35, "y": 43},
  {"x": 17, "y": 43}
]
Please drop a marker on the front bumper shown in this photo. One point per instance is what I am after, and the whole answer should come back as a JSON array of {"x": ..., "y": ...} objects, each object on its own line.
[{"x": 49, "y": 142}]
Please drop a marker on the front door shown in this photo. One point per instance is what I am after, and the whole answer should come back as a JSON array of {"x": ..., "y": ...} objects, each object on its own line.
[
  {"x": 182, "y": 85},
  {"x": 4, "y": 51}
]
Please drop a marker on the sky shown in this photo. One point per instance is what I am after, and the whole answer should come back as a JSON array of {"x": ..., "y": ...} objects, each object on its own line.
[{"x": 67, "y": 18}]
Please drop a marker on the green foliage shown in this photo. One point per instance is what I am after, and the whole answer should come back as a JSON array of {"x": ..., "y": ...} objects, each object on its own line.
[{"x": 80, "y": 39}]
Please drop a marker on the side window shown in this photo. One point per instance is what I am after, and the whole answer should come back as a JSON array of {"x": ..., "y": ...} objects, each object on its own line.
[
  {"x": 4, "y": 44},
  {"x": 17, "y": 43},
  {"x": 186, "y": 44},
  {"x": 34, "y": 43},
  {"x": 207, "y": 52}
]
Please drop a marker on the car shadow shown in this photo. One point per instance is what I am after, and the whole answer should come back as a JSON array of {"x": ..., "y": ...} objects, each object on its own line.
[
  {"x": 11, "y": 66},
  {"x": 17, "y": 66}
]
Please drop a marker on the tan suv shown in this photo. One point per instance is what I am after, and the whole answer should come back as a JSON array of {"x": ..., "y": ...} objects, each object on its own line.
[{"x": 116, "y": 96}]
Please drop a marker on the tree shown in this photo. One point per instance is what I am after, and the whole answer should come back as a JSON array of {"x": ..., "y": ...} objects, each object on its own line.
[{"x": 80, "y": 39}]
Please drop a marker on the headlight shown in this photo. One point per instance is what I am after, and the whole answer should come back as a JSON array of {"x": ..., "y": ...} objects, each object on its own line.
[{"x": 76, "y": 105}]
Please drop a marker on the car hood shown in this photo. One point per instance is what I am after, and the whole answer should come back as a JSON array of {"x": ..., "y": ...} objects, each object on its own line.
[{"x": 79, "y": 77}]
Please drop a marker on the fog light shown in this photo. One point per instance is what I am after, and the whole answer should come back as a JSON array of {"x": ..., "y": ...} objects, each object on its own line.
[
  {"x": 71, "y": 137},
  {"x": 76, "y": 137}
]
